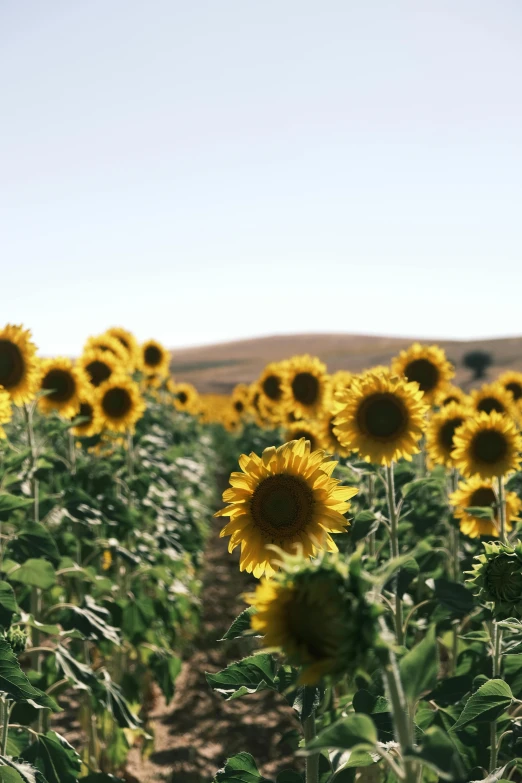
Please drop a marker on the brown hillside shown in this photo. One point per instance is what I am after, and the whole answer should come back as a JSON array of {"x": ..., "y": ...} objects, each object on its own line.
[{"x": 217, "y": 368}]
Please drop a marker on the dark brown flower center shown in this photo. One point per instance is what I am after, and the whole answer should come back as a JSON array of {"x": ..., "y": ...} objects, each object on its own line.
[
  {"x": 450, "y": 398},
  {"x": 116, "y": 403},
  {"x": 382, "y": 415},
  {"x": 152, "y": 356},
  {"x": 305, "y": 388},
  {"x": 272, "y": 387},
  {"x": 489, "y": 446},
  {"x": 282, "y": 505},
  {"x": 12, "y": 365},
  {"x": 515, "y": 389},
  {"x": 424, "y": 372},
  {"x": 447, "y": 431},
  {"x": 489, "y": 404},
  {"x": 98, "y": 372},
  {"x": 238, "y": 406},
  {"x": 483, "y": 497},
  {"x": 86, "y": 411},
  {"x": 61, "y": 385},
  {"x": 182, "y": 397}
]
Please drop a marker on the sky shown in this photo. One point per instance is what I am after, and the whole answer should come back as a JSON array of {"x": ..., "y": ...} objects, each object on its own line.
[{"x": 206, "y": 171}]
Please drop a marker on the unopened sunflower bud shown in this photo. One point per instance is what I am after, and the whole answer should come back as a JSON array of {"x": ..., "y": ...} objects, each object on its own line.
[
  {"x": 17, "y": 639},
  {"x": 317, "y": 614},
  {"x": 497, "y": 578}
]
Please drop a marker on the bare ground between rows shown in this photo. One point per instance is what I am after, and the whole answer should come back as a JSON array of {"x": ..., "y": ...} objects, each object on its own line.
[{"x": 199, "y": 729}]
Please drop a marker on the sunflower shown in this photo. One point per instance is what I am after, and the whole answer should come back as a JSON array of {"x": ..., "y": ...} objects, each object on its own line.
[
  {"x": 512, "y": 382},
  {"x": 493, "y": 397},
  {"x": 497, "y": 578},
  {"x": 255, "y": 408},
  {"x": 341, "y": 380},
  {"x": 19, "y": 368},
  {"x": 105, "y": 342},
  {"x": 426, "y": 365},
  {"x": 328, "y": 439},
  {"x": 155, "y": 359},
  {"x": 273, "y": 391},
  {"x": 310, "y": 387},
  {"x": 90, "y": 412},
  {"x": 304, "y": 429},
  {"x": 5, "y": 410},
  {"x": 64, "y": 385},
  {"x": 99, "y": 365},
  {"x": 488, "y": 445},
  {"x": 479, "y": 492},
  {"x": 120, "y": 402},
  {"x": 441, "y": 430},
  {"x": 317, "y": 615},
  {"x": 381, "y": 417},
  {"x": 129, "y": 343},
  {"x": 186, "y": 398},
  {"x": 239, "y": 398},
  {"x": 288, "y": 498},
  {"x": 450, "y": 394},
  {"x": 230, "y": 420}
]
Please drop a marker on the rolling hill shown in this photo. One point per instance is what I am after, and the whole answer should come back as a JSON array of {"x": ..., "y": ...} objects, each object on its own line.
[{"x": 217, "y": 368}]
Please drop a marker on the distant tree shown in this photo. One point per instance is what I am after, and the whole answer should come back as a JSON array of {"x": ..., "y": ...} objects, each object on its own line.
[{"x": 478, "y": 362}]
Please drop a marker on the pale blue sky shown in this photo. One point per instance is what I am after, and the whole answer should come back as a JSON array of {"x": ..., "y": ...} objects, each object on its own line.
[{"x": 201, "y": 171}]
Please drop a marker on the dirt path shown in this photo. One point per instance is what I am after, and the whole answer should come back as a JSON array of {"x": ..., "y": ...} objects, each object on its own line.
[{"x": 199, "y": 729}]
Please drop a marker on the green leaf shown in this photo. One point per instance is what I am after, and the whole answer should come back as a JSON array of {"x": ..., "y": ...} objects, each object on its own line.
[
  {"x": 406, "y": 575},
  {"x": 255, "y": 673},
  {"x": 26, "y": 772},
  {"x": 34, "y": 541},
  {"x": 111, "y": 695},
  {"x": 240, "y": 768},
  {"x": 481, "y": 512},
  {"x": 414, "y": 487},
  {"x": 54, "y": 757},
  {"x": 165, "y": 667},
  {"x": 8, "y": 605},
  {"x": 454, "y": 596},
  {"x": 356, "y": 730},
  {"x": 91, "y": 620},
  {"x": 34, "y": 573},
  {"x": 15, "y": 683},
  {"x": 80, "y": 674},
  {"x": 289, "y": 776},
  {"x": 10, "y": 775},
  {"x": 440, "y": 755},
  {"x": 363, "y": 524},
  {"x": 10, "y": 502},
  {"x": 486, "y": 704},
  {"x": 420, "y": 666},
  {"x": 240, "y": 626}
]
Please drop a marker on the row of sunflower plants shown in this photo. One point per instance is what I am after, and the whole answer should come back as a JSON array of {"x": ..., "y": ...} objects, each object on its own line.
[
  {"x": 105, "y": 491},
  {"x": 383, "y": 532}
]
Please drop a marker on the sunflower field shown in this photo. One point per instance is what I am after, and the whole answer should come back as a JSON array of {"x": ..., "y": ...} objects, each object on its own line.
[{"x": 377, "y": 516}]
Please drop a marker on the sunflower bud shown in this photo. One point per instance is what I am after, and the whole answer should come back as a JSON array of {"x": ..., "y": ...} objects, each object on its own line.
[
  {"x": 497, "y": 578},
  {"x": 17, "y": 639},
  {"x": 317, "y": 614}
]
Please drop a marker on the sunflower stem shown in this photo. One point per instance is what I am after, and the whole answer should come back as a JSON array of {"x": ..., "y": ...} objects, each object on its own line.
[
  {"x": 496, "y": 640},
  {"x": 5, "y": 724},
  {"x": 394, "y": 547},
  {"x": 312, "y": 762},
  {"x": 401, "y": 717},
  {"x": 72, "y": 453},
  {"x": 502, "y": 510},
  {"x": 28, "y": 415},
  {"x": 371, "y": 486}
]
